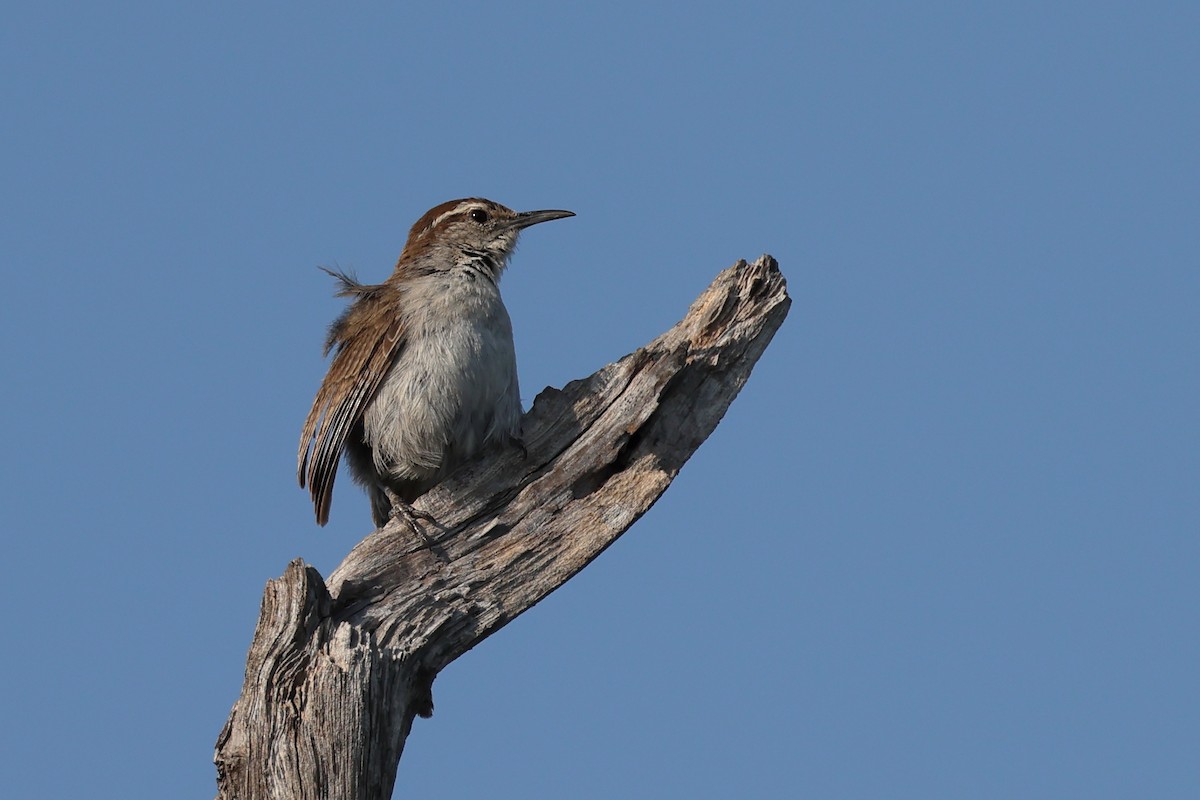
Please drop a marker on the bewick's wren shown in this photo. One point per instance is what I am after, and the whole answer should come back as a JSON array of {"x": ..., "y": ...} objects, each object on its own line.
[{"x": 424, "y": 373}]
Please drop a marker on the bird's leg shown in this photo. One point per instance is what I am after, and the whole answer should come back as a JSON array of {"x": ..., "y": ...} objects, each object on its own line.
[
  {"x": 516, "y": 440},
  {"x": 404, "y": 510}
]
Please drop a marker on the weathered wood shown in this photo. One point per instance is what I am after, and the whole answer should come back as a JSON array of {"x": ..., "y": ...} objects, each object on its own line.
[{"x": 337, "y": 672}]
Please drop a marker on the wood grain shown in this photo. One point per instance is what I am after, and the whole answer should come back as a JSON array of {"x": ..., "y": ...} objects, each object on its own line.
[{"x": 338, "y": 670}]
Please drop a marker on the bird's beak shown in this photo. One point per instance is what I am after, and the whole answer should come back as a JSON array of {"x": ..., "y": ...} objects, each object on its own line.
[{"x": 527, "y": 218}]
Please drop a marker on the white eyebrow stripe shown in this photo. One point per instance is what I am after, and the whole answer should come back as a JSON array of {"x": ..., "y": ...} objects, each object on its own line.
[{"x": 458, "y": 209}]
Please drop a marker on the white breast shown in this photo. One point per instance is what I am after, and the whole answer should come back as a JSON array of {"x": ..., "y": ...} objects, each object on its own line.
[{"x": 453, "y": 388}]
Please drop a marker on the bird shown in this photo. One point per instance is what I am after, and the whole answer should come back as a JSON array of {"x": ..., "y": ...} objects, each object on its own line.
[{"x": 424, "y": 371}]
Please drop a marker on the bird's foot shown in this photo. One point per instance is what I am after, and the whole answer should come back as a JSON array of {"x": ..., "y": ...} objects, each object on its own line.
[{"x": 403, "y": 510}]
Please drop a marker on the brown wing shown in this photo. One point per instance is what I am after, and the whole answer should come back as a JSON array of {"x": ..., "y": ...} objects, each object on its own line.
[{"x": 367, "y": 338}]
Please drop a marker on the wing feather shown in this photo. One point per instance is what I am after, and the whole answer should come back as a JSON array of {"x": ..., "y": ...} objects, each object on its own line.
[{"x": 366, "y": 350}]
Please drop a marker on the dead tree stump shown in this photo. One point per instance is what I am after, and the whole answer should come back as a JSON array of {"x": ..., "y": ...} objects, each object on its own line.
[{"x": 338, "y": 670}]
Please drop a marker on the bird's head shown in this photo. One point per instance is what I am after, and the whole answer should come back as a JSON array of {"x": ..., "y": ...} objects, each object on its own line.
[{"x": 472, "y": 227}]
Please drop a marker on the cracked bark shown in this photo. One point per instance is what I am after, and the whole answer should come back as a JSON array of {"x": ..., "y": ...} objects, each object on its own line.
[{"x": 338, "y": 669}]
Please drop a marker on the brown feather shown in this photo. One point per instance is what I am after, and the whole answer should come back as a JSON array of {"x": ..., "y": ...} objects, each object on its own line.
[{"x": 366, "y": 350}]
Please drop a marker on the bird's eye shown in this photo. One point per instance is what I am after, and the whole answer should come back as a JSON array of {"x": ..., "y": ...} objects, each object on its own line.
[{"x": 479, "y": 215}]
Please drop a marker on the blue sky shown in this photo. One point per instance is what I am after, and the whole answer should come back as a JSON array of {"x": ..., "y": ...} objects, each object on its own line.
[{"x": 944, "y": 545}]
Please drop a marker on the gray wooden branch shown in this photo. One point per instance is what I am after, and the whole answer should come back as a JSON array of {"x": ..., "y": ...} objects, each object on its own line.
[{"x": 338, "y": 670}]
